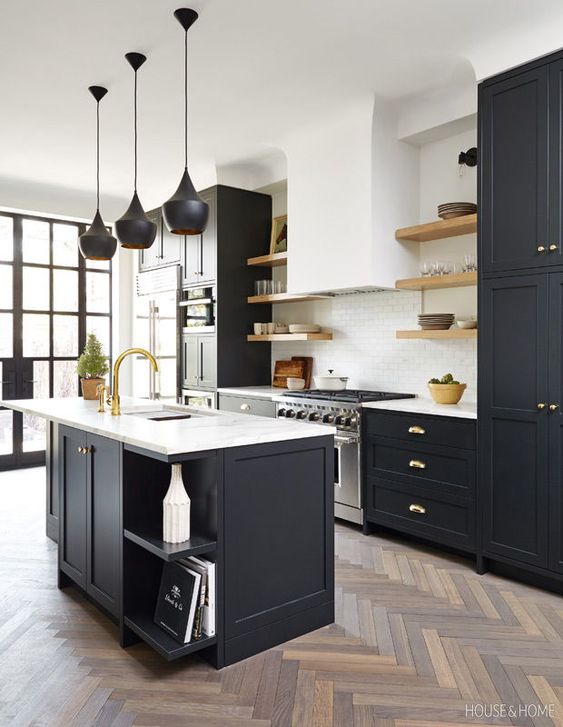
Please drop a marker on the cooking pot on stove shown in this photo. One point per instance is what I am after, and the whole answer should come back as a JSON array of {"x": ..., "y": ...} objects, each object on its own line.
[{"x": 331, "y": 381}]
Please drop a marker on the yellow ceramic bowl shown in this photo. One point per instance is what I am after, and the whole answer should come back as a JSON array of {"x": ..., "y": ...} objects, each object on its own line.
[{"x": 447, "y": 393}]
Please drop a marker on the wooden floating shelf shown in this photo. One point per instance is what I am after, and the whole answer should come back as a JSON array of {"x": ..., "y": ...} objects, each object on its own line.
[
  {"x": 439, "y": 230},
  {"x": 291, "y": 337},
  {"x": 285, "y": 298},
  {"x": 450, "y": 333},
  {"x": 144, "y": 626},
  {"x": 276, "y": 260},
  {"x": 435, "y": 282},
  {"x": 196, "y": 545}
]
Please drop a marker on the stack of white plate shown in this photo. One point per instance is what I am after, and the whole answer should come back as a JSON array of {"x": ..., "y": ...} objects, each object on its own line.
[
  {"x": 456, "y": 209},
  {"x": 435, "y": 321},
  {"x": 304, "y": 328}
]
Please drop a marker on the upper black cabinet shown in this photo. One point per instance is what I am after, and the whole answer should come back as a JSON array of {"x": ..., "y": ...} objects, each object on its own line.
[
  {"x": 513, "y": 205},
  {"x": 199, "y": 252},
  {"x": 166, "y": 248}
]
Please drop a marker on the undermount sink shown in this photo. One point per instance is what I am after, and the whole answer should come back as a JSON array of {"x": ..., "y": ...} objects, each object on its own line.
[{"x": 160, "y": 415}]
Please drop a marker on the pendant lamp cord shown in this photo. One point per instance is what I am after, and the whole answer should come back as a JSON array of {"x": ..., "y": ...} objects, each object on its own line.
[
  {"x": 186, "y": 99},
  {"x": 97, "y": 155},
  {"x": 135, "y": 129}
]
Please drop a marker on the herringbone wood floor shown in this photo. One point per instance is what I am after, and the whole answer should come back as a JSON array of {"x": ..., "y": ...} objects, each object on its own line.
[{"x": 418, "y": 636}]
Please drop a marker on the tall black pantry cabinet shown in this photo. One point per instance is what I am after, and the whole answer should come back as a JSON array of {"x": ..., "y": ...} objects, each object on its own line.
[{"x": 520, "y": 426}]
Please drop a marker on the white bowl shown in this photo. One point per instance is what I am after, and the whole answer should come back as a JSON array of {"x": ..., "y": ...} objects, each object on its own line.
[
  {"x": 294, "y": 384},
  {"x": 467, "y": 323}
]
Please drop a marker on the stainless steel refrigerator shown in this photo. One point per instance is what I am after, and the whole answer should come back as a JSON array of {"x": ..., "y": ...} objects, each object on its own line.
[{"x": 156, "y": 328}]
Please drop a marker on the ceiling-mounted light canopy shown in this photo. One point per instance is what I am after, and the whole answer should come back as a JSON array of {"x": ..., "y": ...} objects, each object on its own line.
[
  {"x": 185, "y": 213},
  {"x": 134, "y": 229},
  {"x": 97, "y": 243}
]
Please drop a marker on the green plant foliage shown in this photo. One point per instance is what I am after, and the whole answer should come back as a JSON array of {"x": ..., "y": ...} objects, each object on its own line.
[
  {"x": 92, "y": 364},
  {"x": 446, "y": 379}
]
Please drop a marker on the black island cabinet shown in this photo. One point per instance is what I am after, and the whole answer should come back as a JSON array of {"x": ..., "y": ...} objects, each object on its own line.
[{"x": 263, "y": 513}]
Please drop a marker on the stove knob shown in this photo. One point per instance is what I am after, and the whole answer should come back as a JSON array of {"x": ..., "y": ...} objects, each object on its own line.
[
  {"x": 353, "y": 422},
  {"x": 314, "y": 416},
  {"x": 302, "y": 415},
  {"x": 348, "y": 421},
  {"x": 290, "y": 414},
  {"x": 328, "y": 418},
  {"x": 339, "y": 420},
  {"x": 281, "y": 412}
]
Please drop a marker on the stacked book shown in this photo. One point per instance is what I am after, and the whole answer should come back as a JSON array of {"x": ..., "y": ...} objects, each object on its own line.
[{"x": 185, "y": 607}]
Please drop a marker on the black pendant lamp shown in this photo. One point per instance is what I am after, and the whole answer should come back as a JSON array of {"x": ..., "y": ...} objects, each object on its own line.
[
  {"x": 97, "y": 243},
  {"x": 134, "y": 229},
  {"x": 185, "y": 213}
]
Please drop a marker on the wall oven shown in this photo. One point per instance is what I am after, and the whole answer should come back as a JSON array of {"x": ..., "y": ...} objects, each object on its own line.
[{"x": 197, "y": 308}]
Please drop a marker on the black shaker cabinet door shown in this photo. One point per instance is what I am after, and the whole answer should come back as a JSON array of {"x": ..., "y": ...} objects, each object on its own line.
[
  {"x": 207, "y": 361},
  {"x": 556, "y": 421},
  {"x": 513, "y": 434},
  {"x": 73, "y": 498},
  {"x": 104, "y": 529},
  {"x": 150, "y": 258},
  {"x": 513, "y": 211},
  {"x": 555, "y": 162}
]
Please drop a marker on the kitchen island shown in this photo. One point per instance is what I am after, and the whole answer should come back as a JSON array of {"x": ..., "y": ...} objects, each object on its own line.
[{"x": 261, "y": 495}]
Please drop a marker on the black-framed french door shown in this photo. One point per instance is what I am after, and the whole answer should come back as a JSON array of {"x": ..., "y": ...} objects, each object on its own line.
[{"x": 50, "y": 299}]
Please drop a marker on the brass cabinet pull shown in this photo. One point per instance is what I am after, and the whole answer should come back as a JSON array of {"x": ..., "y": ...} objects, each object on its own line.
[
  {"x": 80, "y": 450},
  {"x": 245, "y": 407},
  {"x": 417, "y": 430},
  {"x": 417, "y": 464},
  {"x": 553, "y": 407},
  {"x": 553, "y": 247},
  {"x": 541, "y": 405},
  {"x": 418, "y": 509},
  {"x": 541, "y": 248}
]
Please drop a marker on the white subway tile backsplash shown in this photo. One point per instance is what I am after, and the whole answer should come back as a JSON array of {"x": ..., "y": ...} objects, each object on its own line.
[{"x": 364, "y": 346}]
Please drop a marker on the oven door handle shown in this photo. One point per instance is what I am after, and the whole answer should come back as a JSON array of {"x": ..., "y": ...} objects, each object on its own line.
[{"x": 340, "y": 440}]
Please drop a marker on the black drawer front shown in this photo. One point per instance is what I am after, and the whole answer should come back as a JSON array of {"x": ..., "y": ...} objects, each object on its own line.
[
  {"x": 422, "y": 428},
  {"x": 411, "y": 511},
  {"x": 435, "y": 466}
]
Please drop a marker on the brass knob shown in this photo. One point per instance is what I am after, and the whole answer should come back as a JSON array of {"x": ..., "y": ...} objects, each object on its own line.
[
  {"x": 80, "y": 450},
  {"x": 417, "y": 464},
  {"x": 553, "y": 247},
  {"x": 541, "y": 248},
  {"x": 418, "y": 509},
  {"x": 553, "y": 407},
  {"x": 541, "y": 405},
  {"x": 417, "y": 430}
]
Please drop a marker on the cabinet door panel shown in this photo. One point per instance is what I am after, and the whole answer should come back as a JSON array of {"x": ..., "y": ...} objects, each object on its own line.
[
  {"x": 73, "y": 498},
  {"x": 556, "y": 420},
  {"x": 190, "y": 259},
  {"x": 555, "y": 160},
  {"x": 171, "y": 246},
  {"x": 208, "y": 241},
  {"x": 513, "y": 208},
  {"x": 207, "y": 361},
  {"x": 104, "y": 522},
  {"x": 190, "y": 362},
  {"x": 150, "y": 258}
]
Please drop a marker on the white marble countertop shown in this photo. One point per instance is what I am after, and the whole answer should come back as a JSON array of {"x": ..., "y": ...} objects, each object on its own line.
[
  {"x": 208, "y": 429},
  {"x": 463, "y": 410},
  {"x": 254, "y": 392}
]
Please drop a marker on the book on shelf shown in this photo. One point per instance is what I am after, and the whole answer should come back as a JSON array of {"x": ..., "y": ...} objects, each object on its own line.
[
  {"x": 205, "y": 622},
  {"x": 178, "y": 598}
]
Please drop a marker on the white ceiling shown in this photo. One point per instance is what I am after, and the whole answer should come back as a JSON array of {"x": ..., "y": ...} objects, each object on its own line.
[{"x": 258, "y": 70}]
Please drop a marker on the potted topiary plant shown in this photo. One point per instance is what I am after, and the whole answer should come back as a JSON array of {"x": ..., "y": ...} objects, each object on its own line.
[
  {"x": 92, "y": 366},
  {"x": 446, "y": 390}
]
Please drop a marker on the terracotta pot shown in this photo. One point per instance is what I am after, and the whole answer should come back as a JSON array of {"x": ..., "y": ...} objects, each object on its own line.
[
  {"x": 89, "y": 387},
  {"x": 447, "y": 393}
]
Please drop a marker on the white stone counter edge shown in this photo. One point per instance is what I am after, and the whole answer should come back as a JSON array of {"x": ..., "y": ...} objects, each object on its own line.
[
  {"x": 253, "y": 392},
  {"x": 463, "y": 410}
]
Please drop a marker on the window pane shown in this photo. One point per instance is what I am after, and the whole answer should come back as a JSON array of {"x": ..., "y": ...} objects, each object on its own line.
[
  {"x": 35, "y": 335},
  {"x": 41, "y": 379},
  {"x": 65, "y": 290},
  {"x": 36, "y": 284},
  {"x": 65, "y": 245},
  {"x": 6, "y": 292},
  {"x": 65, "y": 380},
  {"x": 6, "y": 432},
  {"x": 97, "y": 293},
  {"x": 34, "y": 439},
  {"x": 100, "y": 326},
  {"x": 6, "y": 335},
  {"x": 6, "y": 238},
  {"x": 98, "y": 264},
  {"x": 35, "y": 242},
  {"x": 65, "y": 335}
]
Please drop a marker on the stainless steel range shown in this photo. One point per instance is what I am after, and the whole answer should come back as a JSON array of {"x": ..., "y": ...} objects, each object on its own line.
[{"x": 341, "y": 409}]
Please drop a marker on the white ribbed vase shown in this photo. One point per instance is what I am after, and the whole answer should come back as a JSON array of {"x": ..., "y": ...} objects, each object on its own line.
[{"x": 176, "y": 509}]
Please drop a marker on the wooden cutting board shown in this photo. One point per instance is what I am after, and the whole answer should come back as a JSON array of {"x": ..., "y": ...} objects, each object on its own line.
[
  {"x": 283, "y": 369},
  {"x": 308, "y": 371}
]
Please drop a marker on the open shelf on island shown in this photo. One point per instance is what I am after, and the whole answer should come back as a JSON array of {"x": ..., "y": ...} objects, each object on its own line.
[
  {"x": 290, "y": 337},
  {"x": 450, "y": 333},
  {"x": 144, "y": 626},
  {"x": 439, "y": 230},
  {"x": 285, "y": 298},
  {"x": 275, "y": 260},
  {"x": 435, "y": 282},
  {"x": 196, "y": 545}
]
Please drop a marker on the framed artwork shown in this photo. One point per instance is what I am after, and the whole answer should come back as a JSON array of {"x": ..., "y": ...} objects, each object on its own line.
[{"x": 278, "y": 242}]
